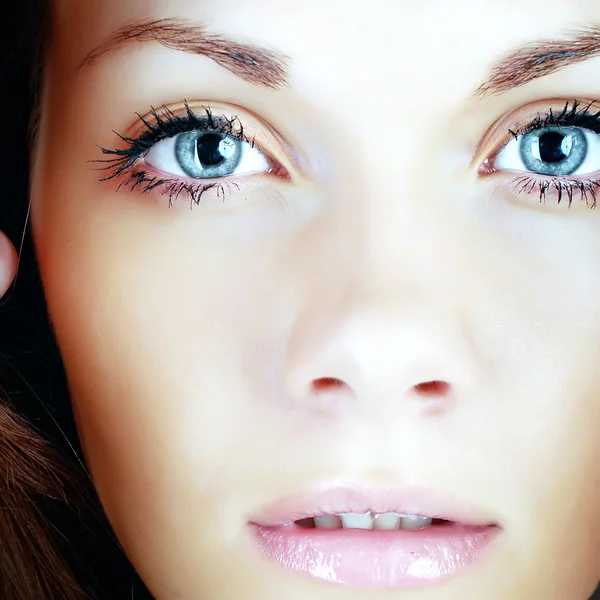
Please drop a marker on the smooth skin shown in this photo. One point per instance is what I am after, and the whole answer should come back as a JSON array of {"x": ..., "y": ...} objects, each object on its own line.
[{"x": 222, "y": 357}]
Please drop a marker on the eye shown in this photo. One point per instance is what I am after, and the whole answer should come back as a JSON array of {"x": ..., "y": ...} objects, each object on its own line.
[
  {"x": 554, "y": 151},
  {"x": 198, "y": 151},
  {"x": 206, "y": 155}
]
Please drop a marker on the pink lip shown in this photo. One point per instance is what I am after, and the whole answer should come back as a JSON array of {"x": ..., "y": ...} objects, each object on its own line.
[{"x": 374, "y": 559}]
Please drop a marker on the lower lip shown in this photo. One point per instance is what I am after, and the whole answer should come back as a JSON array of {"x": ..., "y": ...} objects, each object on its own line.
[{"x": 376, "y": 559}]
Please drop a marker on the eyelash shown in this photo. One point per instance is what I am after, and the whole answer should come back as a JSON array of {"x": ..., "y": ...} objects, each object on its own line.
[
  {"x": 166, "y": 124},
  {"x": 573, "y": 114}
]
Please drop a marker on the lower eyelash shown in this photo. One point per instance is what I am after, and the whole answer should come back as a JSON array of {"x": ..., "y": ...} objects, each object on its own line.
[
  {"x": 565, "y": 190},
  {"x": 123, "y": 164},
  {"x": 173, "y": 189}
]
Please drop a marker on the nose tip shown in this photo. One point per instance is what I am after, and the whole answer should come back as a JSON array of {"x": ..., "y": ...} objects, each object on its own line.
[
  {"x": 426, "y": 389},
  {"x": 434, "y": 397},
  {"x": 382, "y": 349}
]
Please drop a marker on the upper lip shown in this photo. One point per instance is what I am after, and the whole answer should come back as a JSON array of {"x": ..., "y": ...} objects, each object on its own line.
[{"x": 334, "y": 500}]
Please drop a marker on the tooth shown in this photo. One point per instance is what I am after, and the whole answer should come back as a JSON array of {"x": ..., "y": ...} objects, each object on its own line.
[
  {"x": 354, "y": 521},
  {"x": 387, "y": 521},
  {"x": 413, "y": 522},
  {"x": 328, "y": 522}
]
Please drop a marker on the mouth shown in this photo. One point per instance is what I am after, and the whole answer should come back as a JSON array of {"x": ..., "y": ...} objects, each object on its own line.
[{"x": 387, "y": 538}]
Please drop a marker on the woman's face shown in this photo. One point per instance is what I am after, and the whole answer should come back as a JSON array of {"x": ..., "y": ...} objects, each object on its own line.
[{"x": 349, "y": 263}]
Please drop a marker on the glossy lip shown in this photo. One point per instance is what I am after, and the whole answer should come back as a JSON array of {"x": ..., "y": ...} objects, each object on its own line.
[
  {"x": 326, "y": 500},
  {"x": 370, "y": 558}
]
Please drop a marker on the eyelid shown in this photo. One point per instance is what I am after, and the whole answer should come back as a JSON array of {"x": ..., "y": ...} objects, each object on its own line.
[
  {"x": 256, "y": 130},
  {"x": 515, "y": 122}
]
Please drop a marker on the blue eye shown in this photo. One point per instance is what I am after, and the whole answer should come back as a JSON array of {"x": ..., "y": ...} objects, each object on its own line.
[
  {"x": 206, "y": 155},
  {"x": 194, "y": 154},
  {"x": 553, "y": 151}
]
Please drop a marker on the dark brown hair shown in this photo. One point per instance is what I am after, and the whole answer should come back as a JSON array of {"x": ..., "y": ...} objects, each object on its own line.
[
  {"x": 31, "y": 567},
  {"x": 38, "y": 485},
  {"x": 55, "y": 541}
]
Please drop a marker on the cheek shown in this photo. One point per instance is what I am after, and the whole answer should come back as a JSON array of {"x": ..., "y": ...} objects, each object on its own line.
[
  {"x": 171, "y": 341},
  {"x": 538, "y": 332}
]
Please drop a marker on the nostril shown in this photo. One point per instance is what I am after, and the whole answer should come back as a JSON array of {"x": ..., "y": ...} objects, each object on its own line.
[
  {"x": 432, "y": 388},
  {"x": 327, "y": 384}
]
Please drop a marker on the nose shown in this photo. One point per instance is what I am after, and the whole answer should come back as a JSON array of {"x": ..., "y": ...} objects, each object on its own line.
[
  {"x": 361, "y": 351},
  {"x": 389, "y": 332}
]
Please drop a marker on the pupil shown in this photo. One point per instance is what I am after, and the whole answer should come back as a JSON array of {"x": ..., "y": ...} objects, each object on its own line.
[
  {"x": 552, "y": 147},
  {"x": 208, "y": 148}
]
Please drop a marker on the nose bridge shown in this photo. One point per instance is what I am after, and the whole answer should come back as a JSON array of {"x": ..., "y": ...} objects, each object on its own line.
[
  {"x": 409, "y": 251},
  {"x": 396, "y": 316},
  {"x": 409, "y": 239},
  {"x": 389, "y": 200}
]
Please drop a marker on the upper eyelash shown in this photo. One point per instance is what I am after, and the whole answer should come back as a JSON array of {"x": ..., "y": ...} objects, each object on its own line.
[
  {"x": 166, "y": 124},
  {"x": 573, "y": 114}
]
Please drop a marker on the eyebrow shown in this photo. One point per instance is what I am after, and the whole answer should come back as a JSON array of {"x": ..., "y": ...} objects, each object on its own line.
[
  {"x": 539, "y": 59},
  {"x": 251, "y": 63},
  {"x": 269, "y": 68}
]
